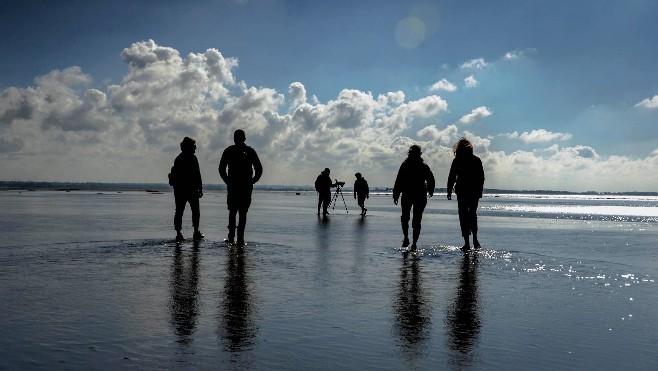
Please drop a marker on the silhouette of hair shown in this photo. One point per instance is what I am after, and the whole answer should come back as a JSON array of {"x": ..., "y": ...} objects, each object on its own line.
[
  {"x": 239, "y": 136},
  {"x": 358, "y": 175},
  {"x": 462, "y": 147},
  {"x": 187, "y": 144},
  {"x": 326, "y": 170},
  {"x": 414, "y": 151}
]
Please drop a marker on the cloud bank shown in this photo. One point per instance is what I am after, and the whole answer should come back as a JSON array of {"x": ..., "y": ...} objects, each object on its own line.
[{"x": 62, "y": 129}]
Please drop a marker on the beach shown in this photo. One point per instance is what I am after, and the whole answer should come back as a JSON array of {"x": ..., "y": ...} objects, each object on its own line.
[{"x": 93, "y": 280}]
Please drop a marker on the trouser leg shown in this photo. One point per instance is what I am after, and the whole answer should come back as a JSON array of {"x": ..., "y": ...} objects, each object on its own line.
[
  {"x": 242, "y": 224},
  {"x": 231, "y": 223},
  {"x": 464, "y": 216},
  {"x": 180, "y": 201},
  {"x": 196, "y": 212},
  {"x": 419, "y": 207},
  {"x": 406, "y": 216},
  {"x": 473, "y": 218}
]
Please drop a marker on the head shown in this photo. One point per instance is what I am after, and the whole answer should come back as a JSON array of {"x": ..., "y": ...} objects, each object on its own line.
[
  {"x": 414, "y": 151},
  {"x": 326, "y": 171},
  {"x": 358, "y": 175},
  {"x": 239, "y": 137},
  {"x": 462, "y": 147},
  {"x": 188, "y": 145}
]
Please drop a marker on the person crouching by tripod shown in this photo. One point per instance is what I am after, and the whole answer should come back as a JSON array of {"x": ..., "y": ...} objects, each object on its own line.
[
  {"x": 361, "y": 192},
  {"x": 415, "y": 181},
  {"x": 323, "y": 186}
]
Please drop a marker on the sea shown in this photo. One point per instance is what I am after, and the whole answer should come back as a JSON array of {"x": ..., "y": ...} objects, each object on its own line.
[{"x": 91, "y": 278}]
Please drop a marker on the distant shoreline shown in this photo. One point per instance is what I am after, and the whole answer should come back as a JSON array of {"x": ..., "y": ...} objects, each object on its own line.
[{"x": 100, "y": 186}]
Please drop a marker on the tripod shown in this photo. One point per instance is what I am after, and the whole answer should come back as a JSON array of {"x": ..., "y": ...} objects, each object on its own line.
[{"x": 335, "y": 198}]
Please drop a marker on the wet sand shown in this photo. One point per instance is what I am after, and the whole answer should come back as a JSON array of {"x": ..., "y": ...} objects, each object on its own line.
[{"x": 93, "y": 282}]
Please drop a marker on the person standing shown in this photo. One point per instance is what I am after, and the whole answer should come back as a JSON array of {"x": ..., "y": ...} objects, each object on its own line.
[
  {"x": 414, "y": 181},
  {"x": 244, "y": 170},
  {"x": 185, "y": 177},
  {"x": 467, "y": 178},
  {"x": 323, "y": 186},
  {"x": 361, "y": 192}
]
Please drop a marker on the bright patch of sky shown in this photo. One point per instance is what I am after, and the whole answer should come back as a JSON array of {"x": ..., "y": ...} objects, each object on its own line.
[{"x": 557, "y": 95}]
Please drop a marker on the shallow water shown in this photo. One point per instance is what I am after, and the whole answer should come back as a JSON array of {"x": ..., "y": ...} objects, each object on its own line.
[{"x": 92, "y": 281}]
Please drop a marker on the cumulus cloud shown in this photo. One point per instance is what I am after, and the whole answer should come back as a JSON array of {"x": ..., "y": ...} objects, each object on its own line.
[
  {"x": 62, "y": 129},
  {"x": 444, "y": 85},
  {"x": 475, "y": 115},
  {"x": 539, "y": 136},
  {"x": 432, "y": 134},
  {"x": 470, "y": 82},
  {"x": 649, "y": 103}
]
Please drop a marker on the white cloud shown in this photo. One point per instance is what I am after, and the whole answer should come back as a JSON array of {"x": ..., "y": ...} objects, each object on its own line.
[
  {"x": 470, "y": 82},
  {"x": 475, "y": 115},
  {"x": 539, "y": 136},
  {"x": 518, "y": 53},
  {"x": 444, "y": 85},
  {"x": 649, "y": 103},
  {"x": 432, "y": 134},
  {"x": 475, "y": 64},
  {"x": 60, "y": 129}
]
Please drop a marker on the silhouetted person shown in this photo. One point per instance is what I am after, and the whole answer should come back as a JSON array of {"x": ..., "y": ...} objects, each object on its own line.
[
  {"x": 467, "y": 178},
  {"x": 184, "y": 285},
  {"x": 244, "y": 170},
  {"x": 464, "y": 316},
  {"x": 186, "y": 180},
  {"x": 323, "y": 186},
  {"x": 361, "y": 192},
  {"x": 414, "y": 181}
]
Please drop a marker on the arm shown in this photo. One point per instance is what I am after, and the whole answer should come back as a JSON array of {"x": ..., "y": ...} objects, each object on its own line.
[
  {"x": 452, "y": 177},
  {"x": 258, "y": 167},
  {"x": 198, "y": 181},
  {"x": 431, "y": 183},
  {"x": 480, "y": 177},
  {"x": 223, "y": 162},
  {"x": 366, "y": 188},
  {"x": 397, "y": 188}
]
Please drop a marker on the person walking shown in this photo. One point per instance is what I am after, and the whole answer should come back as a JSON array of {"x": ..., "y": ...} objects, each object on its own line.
[
  {"x": 361, "y": 192},
  {"x": 467, "y": 178},
  {"x": 244, "y": 170},
  {"x": 185, "y": 177},
  {"x": 415, "y": 181}
]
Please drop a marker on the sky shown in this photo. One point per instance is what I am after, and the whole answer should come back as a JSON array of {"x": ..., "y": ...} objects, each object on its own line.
[{"x": 554, "y": 95}]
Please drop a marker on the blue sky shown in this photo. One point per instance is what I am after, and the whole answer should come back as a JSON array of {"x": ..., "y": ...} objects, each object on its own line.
[{"x": 554, "y": 94}]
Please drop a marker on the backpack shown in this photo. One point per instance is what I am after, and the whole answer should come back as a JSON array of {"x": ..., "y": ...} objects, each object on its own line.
[
  {"x": 317, "y": 184},
  {"x": 172, "y": 178}
]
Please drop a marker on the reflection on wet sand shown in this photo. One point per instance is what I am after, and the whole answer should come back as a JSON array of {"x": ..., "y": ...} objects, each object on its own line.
[
  {"x": 463, "y": 321},
  {"x": 412, "y": 310},
  {"x": 184, "y": 301},
  {"x": 237, "y": 327}
]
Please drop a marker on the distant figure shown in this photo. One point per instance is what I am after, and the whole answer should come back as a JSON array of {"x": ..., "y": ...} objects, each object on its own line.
[
  {"x": 186, "y": 180},
  {"x": 415, "y": 181},
  {"x": 244, "y": 170},
  {"x": 361, "y": 192},
  {"x": 323, "y": 186},
  {"x": 466, "y": 171}
]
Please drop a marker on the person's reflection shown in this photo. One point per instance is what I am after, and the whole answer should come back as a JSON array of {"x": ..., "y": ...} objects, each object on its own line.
[
  {"x": 237, "y": 329},
  {"x": 184, "y": 284},
  {"x": 412, "y": 310},
  {"x": 464, "y": 318}
]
